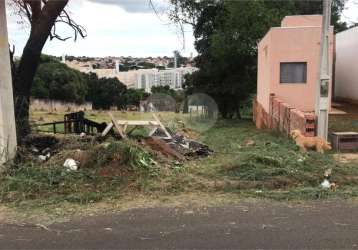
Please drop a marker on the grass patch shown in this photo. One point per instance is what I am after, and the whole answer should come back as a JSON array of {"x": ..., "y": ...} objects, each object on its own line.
[
  {"x": 105, "y": 173},
  {"x": 272, "y": 167}
]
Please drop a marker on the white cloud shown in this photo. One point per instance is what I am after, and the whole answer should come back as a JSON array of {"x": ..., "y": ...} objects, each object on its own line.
[
  {"x": 135, "y": 6},
  {"x": 112, "y": 29},
  {"x": 350, "y": 14}
]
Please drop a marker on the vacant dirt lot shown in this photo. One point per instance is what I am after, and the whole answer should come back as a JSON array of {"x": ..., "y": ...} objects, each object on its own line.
[{"x": 246, "y": 163}]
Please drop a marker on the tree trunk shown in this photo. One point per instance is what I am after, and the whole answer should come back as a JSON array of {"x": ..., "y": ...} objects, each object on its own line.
[
  {"x": 238, "y": 113},
  {"x": 22, "y": 106},
  {"x": 186, "y": 106},
  {"x": 223, "y": 109},
  {"x": 41, "y": 26}
]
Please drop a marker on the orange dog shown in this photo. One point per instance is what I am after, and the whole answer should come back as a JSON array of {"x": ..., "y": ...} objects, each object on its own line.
[{"x": 305, "y": 143}]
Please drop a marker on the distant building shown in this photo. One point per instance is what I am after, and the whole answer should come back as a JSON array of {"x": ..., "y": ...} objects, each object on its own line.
[
  {"x": 174, "y": 78},
  {"x": 140, "y": 78}
]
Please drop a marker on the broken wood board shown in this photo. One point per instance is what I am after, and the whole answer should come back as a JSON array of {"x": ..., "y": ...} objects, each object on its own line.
[
  {"x": 162, "y": 126},
  {"x": 107, "y": 129},
  {"x": 160, "y": 145},
  {"x": 122, "y": 125},
  {"x": 118, "y": 126},
  {"x": 137, "y": 123}
]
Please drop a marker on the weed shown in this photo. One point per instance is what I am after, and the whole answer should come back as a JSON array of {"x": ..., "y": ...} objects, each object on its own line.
[
  {"x": 272, "y": 168},
  {"x": 108, "y": 171},
  {"x": 177, "y": 167}
]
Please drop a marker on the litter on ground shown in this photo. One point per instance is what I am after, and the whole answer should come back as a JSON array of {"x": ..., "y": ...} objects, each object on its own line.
[
  {"x": 325, "y": 184},
  {"x": 71, "y": 165},
  {"x": 76, "y": 150}
]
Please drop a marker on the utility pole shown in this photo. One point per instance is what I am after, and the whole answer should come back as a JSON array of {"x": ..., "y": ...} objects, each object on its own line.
[
  {"x": 322, "y": 91},
  {"x": 7, "y": 117}
]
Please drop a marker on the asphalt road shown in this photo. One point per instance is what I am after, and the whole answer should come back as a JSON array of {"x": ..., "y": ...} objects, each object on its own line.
[{"x": 250, "y": 225}]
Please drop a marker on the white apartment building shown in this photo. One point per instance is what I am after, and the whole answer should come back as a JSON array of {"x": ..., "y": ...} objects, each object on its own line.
[{"x": 174, "y": 78}]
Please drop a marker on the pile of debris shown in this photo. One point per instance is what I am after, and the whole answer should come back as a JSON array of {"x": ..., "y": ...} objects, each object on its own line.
[
  {"x": 179, "y": 146},
  {"x": 42, "y": 147},
  {"x": 160, "y": 138},
  {"x": 188, "y": 147}
]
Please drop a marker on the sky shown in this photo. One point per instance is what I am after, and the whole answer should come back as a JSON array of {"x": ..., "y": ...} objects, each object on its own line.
[
  {"x": 114, "y": 28},
  {"x": 122, "y": 28}
]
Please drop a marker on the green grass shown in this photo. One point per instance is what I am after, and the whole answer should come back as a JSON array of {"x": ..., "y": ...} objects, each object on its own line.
[
  {"x": 106, "y": 172},
  {"x": 273, "y": 168}
]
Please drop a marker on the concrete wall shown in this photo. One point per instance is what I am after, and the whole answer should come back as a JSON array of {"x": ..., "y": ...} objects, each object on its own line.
[
  {"x": 291, "y": 44},
  {"x": 58, "y": 106},
  {"x": 346, "y": 70},
  {"x": 264, "y": 72}
]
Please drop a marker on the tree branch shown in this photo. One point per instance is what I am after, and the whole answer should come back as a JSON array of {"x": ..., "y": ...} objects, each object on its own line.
[
  {"x": 34, "y": 10},
  {"x": 77, "y": 29}
]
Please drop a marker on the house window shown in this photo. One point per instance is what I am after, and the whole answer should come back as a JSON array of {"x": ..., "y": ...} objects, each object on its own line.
[{"x": 293, "y": 72}]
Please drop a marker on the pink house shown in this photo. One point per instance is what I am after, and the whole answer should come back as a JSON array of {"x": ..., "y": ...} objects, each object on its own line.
[{"x": 288, "y": 63}]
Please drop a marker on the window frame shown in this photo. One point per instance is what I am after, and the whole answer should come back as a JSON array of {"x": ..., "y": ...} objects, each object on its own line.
[{"x": 294, "y": 82}]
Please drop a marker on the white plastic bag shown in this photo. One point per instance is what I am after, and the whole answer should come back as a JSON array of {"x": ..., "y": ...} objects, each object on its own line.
[
  {"x": 325, "y": 184},
  {"x": 71, "y": 164}
]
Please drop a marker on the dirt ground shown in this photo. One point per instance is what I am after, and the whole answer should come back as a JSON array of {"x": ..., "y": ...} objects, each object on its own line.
[
  {"x": 344, "y": 117},
  {"x": 346, "y": 157}
]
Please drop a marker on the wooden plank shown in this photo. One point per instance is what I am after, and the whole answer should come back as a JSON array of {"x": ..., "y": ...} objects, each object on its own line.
[
  {"x": 151, "y": 133},
  {"x": 137, "y": 123},
  {"x": 162, "y": 126},
  {"x": 117, "y": 126},
  {"x": 160, "y": 145},
  {"x": 153, "y": 123},
  {"x": 107, "y": 129}
]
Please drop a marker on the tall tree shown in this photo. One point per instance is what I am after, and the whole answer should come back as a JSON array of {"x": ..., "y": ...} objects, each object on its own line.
[
  {"x": 133, "y": 97},
  {"x": 55, "y": 80},
  {"x": 105, "y": 92},
  {"x": 42, "y": 15}
]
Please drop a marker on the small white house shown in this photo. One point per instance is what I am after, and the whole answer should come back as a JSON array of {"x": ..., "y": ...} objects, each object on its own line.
[{"x": 346, "y": 67}]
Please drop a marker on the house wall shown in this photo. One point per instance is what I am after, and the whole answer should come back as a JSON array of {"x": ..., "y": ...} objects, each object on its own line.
[
  {"x": 287, "y": 106},
  {"x": 302, "y": 21},
  {"x": 346, "y": 69},
  {"x": 300, "y": 44}
]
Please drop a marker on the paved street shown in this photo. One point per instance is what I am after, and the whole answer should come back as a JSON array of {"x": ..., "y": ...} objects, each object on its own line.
[{"x": 249, "y": 225}]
